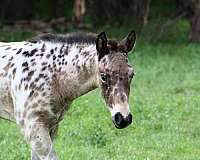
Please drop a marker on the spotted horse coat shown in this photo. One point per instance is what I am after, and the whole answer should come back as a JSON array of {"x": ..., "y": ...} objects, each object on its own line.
[{"x": 39, "y": 79}]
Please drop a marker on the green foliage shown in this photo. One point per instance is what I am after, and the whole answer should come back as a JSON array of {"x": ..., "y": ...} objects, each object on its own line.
[
  {"x": 49, "y": 9},
  {"x": 162, "y": 9},
  {"x": 44, "y": 9},
  {"x": 15, "y": 36},
  {"x": 170, "y": 32}
]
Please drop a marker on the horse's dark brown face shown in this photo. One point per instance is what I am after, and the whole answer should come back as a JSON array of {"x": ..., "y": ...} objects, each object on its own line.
[{"x": 115, "y": 75}]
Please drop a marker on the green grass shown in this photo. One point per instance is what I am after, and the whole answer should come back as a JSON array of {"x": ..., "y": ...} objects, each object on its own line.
[{"x": 165, "y": 102}]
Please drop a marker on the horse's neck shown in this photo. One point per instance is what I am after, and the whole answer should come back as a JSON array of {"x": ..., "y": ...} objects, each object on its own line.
[{"x": 80, "y": 73}]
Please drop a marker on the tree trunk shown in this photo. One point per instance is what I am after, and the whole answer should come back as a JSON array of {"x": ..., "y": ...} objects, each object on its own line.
[
  {"x": 192, "y": 8},
  {"x": 194, "y": 35},
  {"x": 79, "y": 11},
  {"x": 142, "y": 12}
]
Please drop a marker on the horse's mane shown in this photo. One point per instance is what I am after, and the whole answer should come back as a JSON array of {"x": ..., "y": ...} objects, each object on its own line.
[{"x": 77, "y": 37}]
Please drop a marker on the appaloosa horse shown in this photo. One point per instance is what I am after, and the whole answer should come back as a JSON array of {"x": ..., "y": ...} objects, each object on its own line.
[{"x": 40, "y": 78}]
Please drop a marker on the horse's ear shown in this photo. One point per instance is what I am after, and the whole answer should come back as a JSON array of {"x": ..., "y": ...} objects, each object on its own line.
[
  {"x": 128, "y": 42},
  {"x": 101, "y": 45}
]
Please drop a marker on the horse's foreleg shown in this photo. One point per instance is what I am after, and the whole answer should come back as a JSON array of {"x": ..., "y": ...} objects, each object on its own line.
[
  {"x": 34, "y": 156},
  {"x": 53, "y": 132},
  {"x": 40, "y": 141}
]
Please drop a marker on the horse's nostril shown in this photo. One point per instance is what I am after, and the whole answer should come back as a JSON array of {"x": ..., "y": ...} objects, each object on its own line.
[
  {"x": 118, "y": 118},
  {"x": 120, "y": 121},
  {"x": 129, "y": 118}
]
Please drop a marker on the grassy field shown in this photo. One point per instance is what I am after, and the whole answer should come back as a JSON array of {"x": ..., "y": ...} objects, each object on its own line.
[{"x": 165, "y": 102}]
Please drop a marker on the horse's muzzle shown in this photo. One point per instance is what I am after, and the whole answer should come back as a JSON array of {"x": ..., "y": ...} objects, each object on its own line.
[{"x": 121, "y": 122}]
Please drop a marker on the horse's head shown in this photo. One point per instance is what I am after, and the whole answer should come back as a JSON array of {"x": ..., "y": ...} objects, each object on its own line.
[{"x": 115, "y": 75}]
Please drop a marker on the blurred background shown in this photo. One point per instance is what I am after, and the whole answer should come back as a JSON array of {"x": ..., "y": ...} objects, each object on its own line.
[
  {"x": 165, "y": 91},
  {"x": 152, "y": 18}
]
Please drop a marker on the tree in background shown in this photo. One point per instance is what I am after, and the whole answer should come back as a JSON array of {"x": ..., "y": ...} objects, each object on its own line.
[
  {"x": 194, "y": 35},
  {"x": 192, "y": 8},
  {"x": 79, "y": 11}
]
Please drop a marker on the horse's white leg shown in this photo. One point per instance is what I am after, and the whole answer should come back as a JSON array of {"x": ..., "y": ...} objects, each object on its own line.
[
  {"x": 40, "y": 141},
  {"x": 34, "y": 156},
  {"x": 39, "y": 125},
  {"x": 53, "y": 133}
]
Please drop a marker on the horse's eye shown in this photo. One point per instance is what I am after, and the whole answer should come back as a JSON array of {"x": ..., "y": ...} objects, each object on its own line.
[{"x": 103, "y": 77}]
